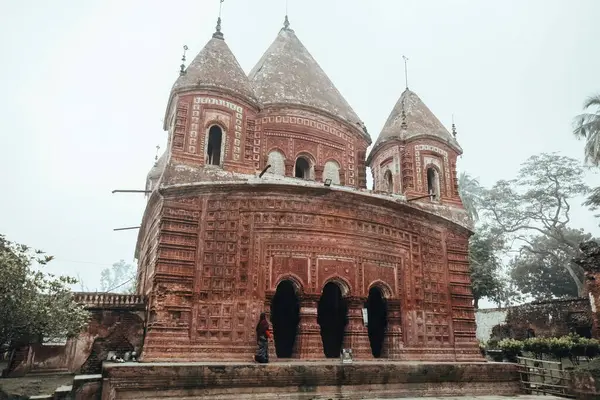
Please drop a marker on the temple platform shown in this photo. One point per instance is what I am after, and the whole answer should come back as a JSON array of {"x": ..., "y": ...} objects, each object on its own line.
[{"x": 307, "y": 380}]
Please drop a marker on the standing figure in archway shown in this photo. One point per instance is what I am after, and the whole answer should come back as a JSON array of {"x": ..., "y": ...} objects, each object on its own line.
[{"x": 262, "y": 340}]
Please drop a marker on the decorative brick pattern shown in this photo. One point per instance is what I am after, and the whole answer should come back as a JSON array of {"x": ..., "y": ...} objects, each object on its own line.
[{"x": 230, "y": 250}]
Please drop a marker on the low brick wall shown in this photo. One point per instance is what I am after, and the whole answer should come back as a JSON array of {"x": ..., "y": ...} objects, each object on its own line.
[
  {"x": 116, "y": 324},
  {"x": 296, "y": 380}
]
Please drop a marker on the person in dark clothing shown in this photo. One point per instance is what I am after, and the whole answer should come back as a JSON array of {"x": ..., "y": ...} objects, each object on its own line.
[{"x": 263, "y": 334}]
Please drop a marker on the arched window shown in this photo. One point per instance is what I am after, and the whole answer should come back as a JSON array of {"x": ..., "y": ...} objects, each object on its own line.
[
  {"x": 433, "y": 183},
  {"x": 302, "y": 169},
  {"x": 277, "y": 162},
  {"x": 388, "y": 181},
  {"x": 213, "y": 148},
  {"x": 332, "y": 171}
]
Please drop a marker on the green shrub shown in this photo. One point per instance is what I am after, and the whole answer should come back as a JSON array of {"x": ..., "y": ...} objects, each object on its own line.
[
  {"x": 492, "y": 344},
  {"x": 537, "y": 346},
  {"x": 560, "y": 347},
  {"x": 593, "y": 348},
  {"x": 584, "y": 347},
  {"x": 511, "y": 348}
]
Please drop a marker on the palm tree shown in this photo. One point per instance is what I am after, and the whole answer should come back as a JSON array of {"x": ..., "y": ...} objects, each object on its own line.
[
  {"x": 470, "y": 193},
  {"x": 587, "y": 126}
]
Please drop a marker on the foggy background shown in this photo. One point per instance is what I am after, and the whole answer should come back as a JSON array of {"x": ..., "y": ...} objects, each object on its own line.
[{"x": 85, "y": 85}]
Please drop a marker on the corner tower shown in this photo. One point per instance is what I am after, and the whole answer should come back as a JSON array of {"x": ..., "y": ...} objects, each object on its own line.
[
  {"x": 415, "y": 155},
  {"x": 210, "y": 117},
  {"x": 308, "y": 129}
]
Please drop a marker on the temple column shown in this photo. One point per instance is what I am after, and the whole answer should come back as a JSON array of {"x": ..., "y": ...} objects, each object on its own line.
[
  {"x": 289, "y": 168},
  {"x": 308, "y": 342},
  {"x": 357, "y": 337},
  {"x": 393, "y": 337},
  {"x": 319, "y": 173}
]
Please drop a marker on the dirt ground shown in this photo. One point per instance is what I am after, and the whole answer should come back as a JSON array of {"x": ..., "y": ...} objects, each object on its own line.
[{"x": 34, "y": 385}]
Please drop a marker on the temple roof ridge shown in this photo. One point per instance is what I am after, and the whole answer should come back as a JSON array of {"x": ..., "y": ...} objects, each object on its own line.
[
  {"x": 288, "y": 74},
  {"x": 215, "y": 67},
  {"x": 411, "y": 118}
]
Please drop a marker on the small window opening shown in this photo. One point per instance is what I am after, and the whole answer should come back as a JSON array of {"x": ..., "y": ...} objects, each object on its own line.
[
  {"x": 213, "y": 149},
  {"x": 389, "y": 181},
  {"x": 433, "y": 183},
  {"x": 302, "y": 168}
]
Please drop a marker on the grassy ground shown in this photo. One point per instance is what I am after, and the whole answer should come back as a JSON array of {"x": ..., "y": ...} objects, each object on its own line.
[{"x": 34, "y": 385}]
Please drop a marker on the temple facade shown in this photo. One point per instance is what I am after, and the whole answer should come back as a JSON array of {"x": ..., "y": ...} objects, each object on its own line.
[{"x": 259, "y": 204}]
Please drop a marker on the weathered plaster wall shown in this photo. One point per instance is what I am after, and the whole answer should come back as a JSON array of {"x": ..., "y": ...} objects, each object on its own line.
[
  {"x": 487, "y": 319},
  {"x": 551, "y": 318}
]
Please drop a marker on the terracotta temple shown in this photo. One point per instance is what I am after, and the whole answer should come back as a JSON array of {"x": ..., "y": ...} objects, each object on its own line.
[{"x": 259, "y": 204}]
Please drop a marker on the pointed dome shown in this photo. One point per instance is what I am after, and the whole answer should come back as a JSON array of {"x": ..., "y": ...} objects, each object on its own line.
[
  {"x": 156, "y": 172},
  {"x": 418, "y": 120},
  {"x": 215, "y": 67},
  {"x": 287, "y": 73}
]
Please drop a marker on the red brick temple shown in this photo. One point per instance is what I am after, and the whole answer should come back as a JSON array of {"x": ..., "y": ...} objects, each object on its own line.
[{"x": 259, "y": 204}]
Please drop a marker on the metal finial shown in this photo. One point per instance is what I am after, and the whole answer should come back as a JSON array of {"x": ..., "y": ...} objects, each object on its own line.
[
  {"x": 286, "y": 23},
  {"x": 218, "y": 34},
  {"x": 405, "y": 70},
  {"x": 182, "y": 66},
  {"x": 453, "y": 127},
  {"x": 156, "y": 156}
]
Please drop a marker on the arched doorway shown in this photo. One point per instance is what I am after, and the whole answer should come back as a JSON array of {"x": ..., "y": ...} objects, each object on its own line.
[
  {"x": 302, "y": 169},
  {"x": 377, "y": 320},
  {"x": 285, "y": 316},
  {"x": 389, "y": 181},
  {"x": 332, "y": 317},
  {"x": 213, "y": 148},
  {"x": 433, "y": 182}
]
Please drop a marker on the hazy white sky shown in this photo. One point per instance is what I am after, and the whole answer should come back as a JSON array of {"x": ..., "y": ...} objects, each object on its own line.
[{"x": 85, "y": 86}]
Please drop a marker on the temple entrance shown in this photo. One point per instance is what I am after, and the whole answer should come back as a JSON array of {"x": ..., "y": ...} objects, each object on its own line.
[
  {"x": 332, "y": 316},
  {"x": 285, "y": 316},
  {"x": 377, "y": 323}
]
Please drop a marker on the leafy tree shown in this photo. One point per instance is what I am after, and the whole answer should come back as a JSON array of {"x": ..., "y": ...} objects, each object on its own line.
[
  {"x": 470, "y": 193},
  {"x": 537, "y": 202},
  {"x": 540, "y": 270},
  {"x": 34, "y": 305},
  {"x": 587, "y": 126},
  {"x": 485, "y": 267},
  {"x": 120, "y": 278}
]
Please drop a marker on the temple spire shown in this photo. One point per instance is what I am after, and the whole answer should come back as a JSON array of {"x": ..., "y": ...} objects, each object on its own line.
[
  {"x": 182, "y": 66},
  {"x": 286, "y": 22},
  {"x": 218, "y": 34},
  {"x": 453, "y": 127}
]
